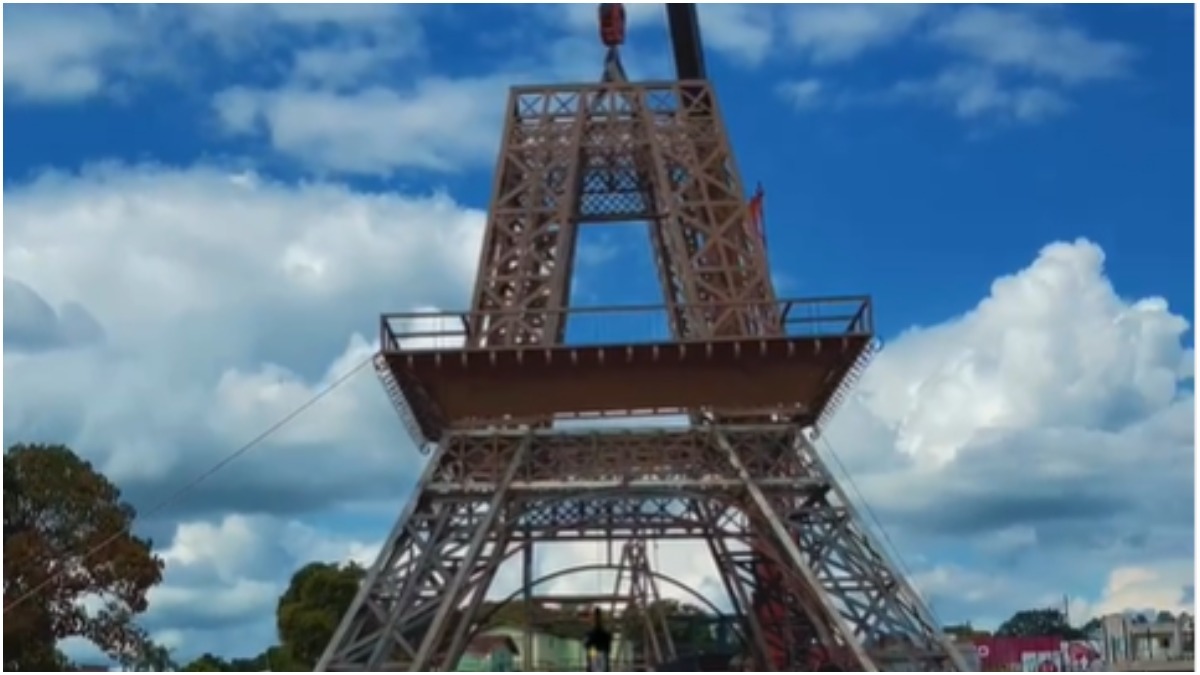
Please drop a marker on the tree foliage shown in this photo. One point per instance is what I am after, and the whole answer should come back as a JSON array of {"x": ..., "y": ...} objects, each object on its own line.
[
  {"x": 306, "y": 617},
  {"x": 151, "y": 658},
  {"x": 57, "y": 508},
  {"x": 207, "y": 663},
  {"x": 311, "y": 607},
  {"x": 1039, "y": 623},
  {"x": 965, "y": 631}
]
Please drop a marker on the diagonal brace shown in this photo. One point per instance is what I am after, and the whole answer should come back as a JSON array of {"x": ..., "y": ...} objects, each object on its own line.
[
  {"x": 433, "y": 637},
  {"x": 793, "y": 552}
]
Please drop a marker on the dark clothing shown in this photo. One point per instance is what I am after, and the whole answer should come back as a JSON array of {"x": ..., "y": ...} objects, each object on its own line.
[{"x": 598, "y": 644}]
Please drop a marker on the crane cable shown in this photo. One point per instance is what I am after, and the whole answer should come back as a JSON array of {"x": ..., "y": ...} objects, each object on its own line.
[{"x": 192, "y": 484}]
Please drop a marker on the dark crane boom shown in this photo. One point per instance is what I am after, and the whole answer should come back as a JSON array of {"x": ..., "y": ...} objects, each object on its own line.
[{"x": 685, "y": 41}]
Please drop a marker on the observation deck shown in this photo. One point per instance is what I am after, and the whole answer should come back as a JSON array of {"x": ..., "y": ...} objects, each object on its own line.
[{"x": 620, "y": 361}]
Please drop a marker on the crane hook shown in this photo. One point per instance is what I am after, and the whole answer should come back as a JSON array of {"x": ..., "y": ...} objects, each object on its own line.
[{"x": 612, "y": 24}]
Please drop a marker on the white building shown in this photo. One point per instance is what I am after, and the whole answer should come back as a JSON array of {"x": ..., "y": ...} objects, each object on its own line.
[{"x": 1126, "y": 640}]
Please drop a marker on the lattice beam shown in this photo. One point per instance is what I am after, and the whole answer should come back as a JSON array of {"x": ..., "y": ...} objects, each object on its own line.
[
  {"x": 805, "y": 577},
  {"x": 484, "y": 494}
]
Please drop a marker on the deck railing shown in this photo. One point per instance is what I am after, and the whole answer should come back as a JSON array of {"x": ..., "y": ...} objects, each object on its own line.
[{"x": 638, "y": 324}]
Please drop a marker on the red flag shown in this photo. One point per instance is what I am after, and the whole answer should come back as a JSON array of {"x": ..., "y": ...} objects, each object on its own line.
[{"x": 756, "y": 224}]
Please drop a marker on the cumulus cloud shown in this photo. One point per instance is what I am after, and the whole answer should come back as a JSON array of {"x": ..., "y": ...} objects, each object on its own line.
[
  {"x": 1053, "y": 421},
  {"x": 225, "y": 576},
  {"x": 227, "y": 299},
  {"x": 32, "y": 324}
]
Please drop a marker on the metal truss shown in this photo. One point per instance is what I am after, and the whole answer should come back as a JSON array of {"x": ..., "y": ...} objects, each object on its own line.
[
  {"x": 804, "y": 576},
  {"x": 619, "y": 152},
  {"x": 761, "y": 489},
  {"x": 644, "y": 599}
]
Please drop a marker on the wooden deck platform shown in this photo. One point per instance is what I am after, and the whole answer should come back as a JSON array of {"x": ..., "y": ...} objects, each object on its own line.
[{"x": 446, "y": 383}]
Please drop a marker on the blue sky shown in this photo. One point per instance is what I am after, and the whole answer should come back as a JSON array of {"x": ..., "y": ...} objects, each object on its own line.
[{"x": 273, "y": 177}]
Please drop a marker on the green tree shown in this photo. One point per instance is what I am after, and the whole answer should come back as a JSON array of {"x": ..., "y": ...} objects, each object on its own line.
[
  {"x": 310, "y": 609},
  {"x": 965, "y": 631},
  {"x": 57, "y": 509},
  {"x": 150, "y": 657},
  {"x": 1164, "y": 617},
  {"x": 207, "y": 663},
  {"x": 1039, "y": 623}
]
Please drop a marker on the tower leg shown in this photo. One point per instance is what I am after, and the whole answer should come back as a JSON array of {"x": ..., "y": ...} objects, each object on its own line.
[
  {"x": 443, "y": 546},
  {"x": 857, "y": 605},
  {"x": 884, "y": 610},
  {"x": 740, "y": 591},
  {"x": 462, "y": 629},
  {"x": 792, "y": 556}
]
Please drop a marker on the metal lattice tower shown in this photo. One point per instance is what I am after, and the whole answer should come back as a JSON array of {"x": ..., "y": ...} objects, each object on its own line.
[{"x": 755, "y": 374}]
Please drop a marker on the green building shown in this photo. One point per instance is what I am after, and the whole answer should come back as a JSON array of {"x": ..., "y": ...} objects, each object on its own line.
[
  {"x": 489, "y": 653},
  {"x": 552, "y": 648}
]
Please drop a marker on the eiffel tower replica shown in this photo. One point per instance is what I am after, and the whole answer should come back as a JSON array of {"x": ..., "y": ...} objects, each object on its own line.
[{"x": 754, "y": 374}]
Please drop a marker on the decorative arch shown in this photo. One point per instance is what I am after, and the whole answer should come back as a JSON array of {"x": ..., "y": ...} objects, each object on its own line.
[{"x": 595, "y": 567}]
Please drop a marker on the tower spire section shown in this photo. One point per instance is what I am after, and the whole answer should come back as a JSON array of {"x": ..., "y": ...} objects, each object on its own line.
[{"x": 482, "y": 390}]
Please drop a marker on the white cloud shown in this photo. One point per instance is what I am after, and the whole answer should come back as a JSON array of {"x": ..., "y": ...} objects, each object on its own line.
[
  {"x": 440, "y": 124},
  {"x": 224, "y": 301},
  {"x": 445, "y": 124},
  {"x": 50, "y": 55},
  {"x": 1013, "y": 64},
  {"x": 1046, "y": 436},
  {"x": 741, "y": 32},
  {"x": 1156, "y": 585},
  {"x": 1015, "y": 39},
  {"x": 1052, "y": 347},
  {"x": 801, "y": 94},
  {"x": 834, "y": 33},
  {"x": 974, "y": 92},
  {"x": 345, "y": 64},
  {"x": 224, "y": 578},
  {"x": 1002, "y": 63},
  {"x": 54, "y": 56}
]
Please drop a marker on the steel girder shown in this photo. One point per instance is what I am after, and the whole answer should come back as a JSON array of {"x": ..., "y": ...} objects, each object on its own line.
[
  {"x": 758, "y": 490},
  {"x": 775, "y": 521},
  {"x": 618, "y": 152}
]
